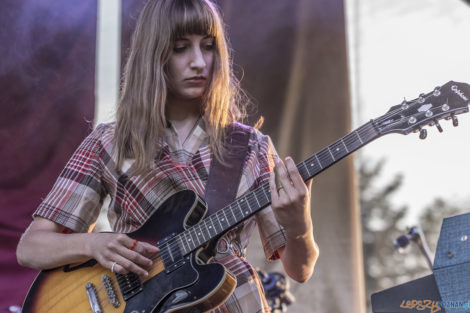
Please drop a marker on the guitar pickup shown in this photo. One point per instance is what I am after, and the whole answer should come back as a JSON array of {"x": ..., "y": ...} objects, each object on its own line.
[{"x": 173, "y": 266}]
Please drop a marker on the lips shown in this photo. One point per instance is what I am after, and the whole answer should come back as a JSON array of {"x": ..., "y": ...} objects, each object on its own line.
[{"x": 196, "y": 79}]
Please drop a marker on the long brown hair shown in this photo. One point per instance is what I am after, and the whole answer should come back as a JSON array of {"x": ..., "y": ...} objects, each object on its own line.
[{"x": 141, "y": 113}]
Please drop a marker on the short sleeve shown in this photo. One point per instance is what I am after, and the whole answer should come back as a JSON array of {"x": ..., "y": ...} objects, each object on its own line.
[
  {"x": 76, "y": 197},
  {"x": 271, "y": 233}
]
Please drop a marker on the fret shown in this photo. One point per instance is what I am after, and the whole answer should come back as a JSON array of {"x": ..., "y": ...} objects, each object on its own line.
[
  {"x": 318, "y": 160},
  {"x": 306, "y": 168},
  {"x": 226, "y": 218},
  {"x": 353, "y": 143},
  {"x": 211, "y": 227},
  {"x": 337, "y": 149},
  {"x": 266, "y": 199},
  {"x": 311, "y": 164},
  {"x": 188, "y": 242},
  {"x": 240, "y": 207},
  {"x": 248, "y": 210},
  {"x": 219, "y": 220},
  {"x": 205, "y": 231},
  {"x": 256, "y": 198},
  {"x": 359, "y": 137},
  {"x": 200, "y": 233},
  {"x": 326, "y": 157},
  {"x": 332, "y": 156},
  {"x": 345, "y": 147},
  {"x": 192, "y": 237},
  {"x": 233, "y": 213},
  {"x": 182, "y": 245}
]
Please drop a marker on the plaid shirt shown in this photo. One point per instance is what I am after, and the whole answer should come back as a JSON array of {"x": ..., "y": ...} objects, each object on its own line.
[{"x": 90, "y": 175}]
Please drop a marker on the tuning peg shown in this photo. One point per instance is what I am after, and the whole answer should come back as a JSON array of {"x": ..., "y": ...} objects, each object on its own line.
[
  {"x": 438, "y": 126},
  {"x": 404, "y": 104},
  {"x": 421, "y": 98},
  {"x": 423, "y": 133},
  {"x": 455, "y": 120},
  {"x": 437, "y": 91}
]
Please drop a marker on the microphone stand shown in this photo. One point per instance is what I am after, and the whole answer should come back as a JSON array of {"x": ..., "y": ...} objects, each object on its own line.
[{"x": 414, "y": 234}]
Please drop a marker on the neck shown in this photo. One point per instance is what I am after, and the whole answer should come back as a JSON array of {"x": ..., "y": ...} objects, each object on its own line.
[{"x": 181, "y": 112}]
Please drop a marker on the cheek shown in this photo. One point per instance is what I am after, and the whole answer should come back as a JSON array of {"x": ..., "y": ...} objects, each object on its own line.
[
  {"x": 210, "y": 60},
  {"x": 175, "y": 67},
  {"x": 171, "y": 69}
]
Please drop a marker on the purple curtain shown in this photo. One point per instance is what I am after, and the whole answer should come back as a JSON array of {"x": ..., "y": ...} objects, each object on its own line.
[{"x": 47, "y": 78}]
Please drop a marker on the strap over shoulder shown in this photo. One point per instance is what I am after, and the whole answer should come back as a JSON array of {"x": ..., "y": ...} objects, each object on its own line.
[{"x": 222, "y": 185}]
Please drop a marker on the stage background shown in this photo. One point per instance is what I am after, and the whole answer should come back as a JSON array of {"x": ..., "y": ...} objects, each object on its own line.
[{"x": 292, "y": 56}]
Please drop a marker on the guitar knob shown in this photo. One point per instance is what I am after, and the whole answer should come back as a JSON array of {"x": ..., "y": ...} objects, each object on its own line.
[
  {"x": 455, "y": 120},
  {"x": 438, "y": 126},
  {"x": 423, "y": 133}
]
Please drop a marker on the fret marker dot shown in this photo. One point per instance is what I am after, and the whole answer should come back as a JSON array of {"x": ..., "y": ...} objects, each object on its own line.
[
  {"x": 311, "y": 164},
  {"x": 210, "y": 226},
  {"x": 222, "y": 220},
  {"x": 199, "y": 234},
  {"x": 337, "y": 149},
  {"x": 246, "y": 212}
]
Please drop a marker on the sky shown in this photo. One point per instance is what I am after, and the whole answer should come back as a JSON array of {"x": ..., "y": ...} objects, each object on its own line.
[
  {"x": 400, "y": 49},
  {"x": 397, "y": 49}
]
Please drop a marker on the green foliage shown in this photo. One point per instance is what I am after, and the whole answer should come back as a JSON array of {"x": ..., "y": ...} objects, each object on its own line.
[{"x": 383, "y": 222}]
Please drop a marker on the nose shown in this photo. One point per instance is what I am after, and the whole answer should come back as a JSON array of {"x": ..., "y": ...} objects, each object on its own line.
[{"x": 197, "y": 59}]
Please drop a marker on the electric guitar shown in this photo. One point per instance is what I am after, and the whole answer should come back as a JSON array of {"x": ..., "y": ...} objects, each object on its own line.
[{"x": 182, "y": 279}]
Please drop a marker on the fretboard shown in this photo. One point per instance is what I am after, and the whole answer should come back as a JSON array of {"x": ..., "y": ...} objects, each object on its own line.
[{"x": 247, "y": 205}]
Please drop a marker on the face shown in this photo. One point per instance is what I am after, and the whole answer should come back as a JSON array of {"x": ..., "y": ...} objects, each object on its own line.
[{"x": 190, "y": 66}]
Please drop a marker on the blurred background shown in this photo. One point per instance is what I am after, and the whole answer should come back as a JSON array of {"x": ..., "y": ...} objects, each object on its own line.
[{"x": 315, "y": 70}]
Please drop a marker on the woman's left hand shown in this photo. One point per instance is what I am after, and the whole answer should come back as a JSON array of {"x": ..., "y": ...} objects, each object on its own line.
[{"x": 290, "y": 198}]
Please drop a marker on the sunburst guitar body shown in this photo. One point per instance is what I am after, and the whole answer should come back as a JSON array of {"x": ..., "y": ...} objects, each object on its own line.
[{"x": 185, "y": 284}]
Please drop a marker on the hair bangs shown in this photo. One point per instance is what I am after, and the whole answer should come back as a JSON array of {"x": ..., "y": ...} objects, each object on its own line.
[{"x": 192, "y": 17}]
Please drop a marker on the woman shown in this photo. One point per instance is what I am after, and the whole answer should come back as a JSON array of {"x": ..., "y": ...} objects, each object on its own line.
[{"x": 178, "y": 96}]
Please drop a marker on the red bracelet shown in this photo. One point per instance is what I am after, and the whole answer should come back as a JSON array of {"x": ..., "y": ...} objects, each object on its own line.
[{"x": 133, "y": 244}]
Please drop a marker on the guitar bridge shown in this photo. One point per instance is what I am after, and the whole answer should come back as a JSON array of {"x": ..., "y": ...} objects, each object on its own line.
[
  {"x": 91, "y": 293},
  {"x": 130, "y": 285}
]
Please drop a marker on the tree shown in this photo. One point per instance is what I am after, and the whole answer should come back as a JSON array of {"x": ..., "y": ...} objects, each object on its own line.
[{"x": 382, "y": 222}]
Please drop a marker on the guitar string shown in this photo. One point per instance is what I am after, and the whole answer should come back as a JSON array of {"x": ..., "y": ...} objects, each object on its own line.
[
  {"x": 249, "y": 198},
  {"x": 325, "y": 154},
  {"x": 366, "y": 129},
  {"x": 321, "y": 155}
]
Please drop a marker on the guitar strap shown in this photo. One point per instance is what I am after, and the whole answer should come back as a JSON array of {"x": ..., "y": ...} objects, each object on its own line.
[{"x": 223, "y": 181}]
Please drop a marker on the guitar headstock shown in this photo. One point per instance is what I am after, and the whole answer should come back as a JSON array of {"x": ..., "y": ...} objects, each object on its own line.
[{"x": 443, "y": 102}]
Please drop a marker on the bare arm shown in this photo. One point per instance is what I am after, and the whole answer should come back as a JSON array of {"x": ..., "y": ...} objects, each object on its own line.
[
  {"x": 44, "y": 246},
  {"x": 291, "y": 206}
]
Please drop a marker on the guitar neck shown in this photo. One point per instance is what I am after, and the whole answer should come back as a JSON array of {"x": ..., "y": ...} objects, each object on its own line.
[{"x": 247, "y": 205}]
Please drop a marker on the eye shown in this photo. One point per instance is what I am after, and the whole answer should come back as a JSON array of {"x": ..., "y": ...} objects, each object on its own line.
[
  {"x": 210, "y": 45},
  {"x": 179, "y": 48}
]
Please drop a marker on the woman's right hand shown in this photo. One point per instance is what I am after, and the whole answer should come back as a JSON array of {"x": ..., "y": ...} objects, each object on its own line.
[
  {"x": 44, "y": 245},
  {"x": 122, "y": 254}
]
